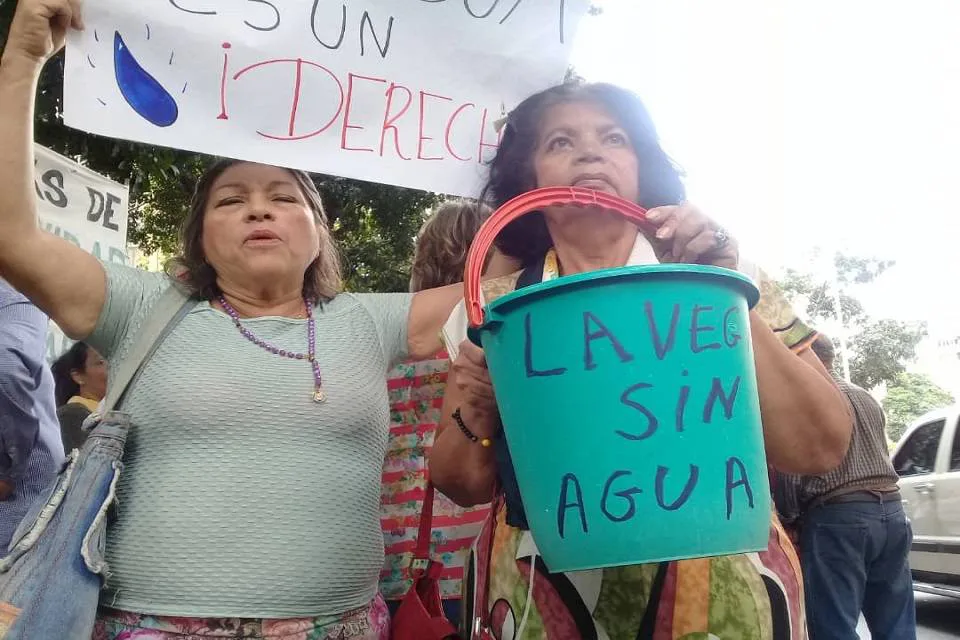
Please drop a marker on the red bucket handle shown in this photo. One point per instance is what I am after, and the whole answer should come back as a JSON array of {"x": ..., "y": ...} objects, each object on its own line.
[{"x": 529, "y": 202}]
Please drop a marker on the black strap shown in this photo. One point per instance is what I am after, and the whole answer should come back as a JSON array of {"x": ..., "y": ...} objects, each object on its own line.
[
  {"x": 516, "y": 513},
  {"x": 166, "y": 314}
]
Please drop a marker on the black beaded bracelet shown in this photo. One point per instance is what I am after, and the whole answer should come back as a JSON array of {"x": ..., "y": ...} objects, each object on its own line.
[{"x": 484, "y": 442}]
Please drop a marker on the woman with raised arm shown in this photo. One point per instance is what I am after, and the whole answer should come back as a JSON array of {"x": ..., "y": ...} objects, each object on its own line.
[
  {"x": 251, "y": 480},
  {"x": 600, "y": 137}
]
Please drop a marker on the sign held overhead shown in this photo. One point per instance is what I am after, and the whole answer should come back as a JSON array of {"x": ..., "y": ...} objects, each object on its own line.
[{"x": 402, "y": 93}]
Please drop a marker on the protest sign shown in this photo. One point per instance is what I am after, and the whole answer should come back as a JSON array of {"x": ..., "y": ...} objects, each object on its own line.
[
  {"x": 403, "y": 93},
  {"x": 81, "y": 207}
]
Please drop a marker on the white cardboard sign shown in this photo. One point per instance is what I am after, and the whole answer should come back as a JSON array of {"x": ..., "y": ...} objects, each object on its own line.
[
  {"x": 81, "y": 207},
  {"x": 403, "y": 92}
]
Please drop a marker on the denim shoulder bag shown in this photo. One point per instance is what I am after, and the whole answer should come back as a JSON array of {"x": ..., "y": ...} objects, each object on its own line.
[{"x": 50, "y": 582}]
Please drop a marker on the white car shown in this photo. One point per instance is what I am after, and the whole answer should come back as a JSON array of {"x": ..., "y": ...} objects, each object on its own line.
[{"x": 927, "y": 458}]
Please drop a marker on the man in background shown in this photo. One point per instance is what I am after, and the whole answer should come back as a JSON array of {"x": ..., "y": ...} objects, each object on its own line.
[
  {"x": 30, "y": 448},
  {"x": 854, "y": 536}
]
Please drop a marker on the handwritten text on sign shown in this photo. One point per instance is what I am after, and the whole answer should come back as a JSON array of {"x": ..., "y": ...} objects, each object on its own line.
[
  {"x": 699, "y": 402},
  {"x": 402, "y": 92},
  {"x": 81, "y": 207}
]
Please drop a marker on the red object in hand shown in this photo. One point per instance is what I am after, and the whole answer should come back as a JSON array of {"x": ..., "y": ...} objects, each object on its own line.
[{"x": 532, "y": 201}]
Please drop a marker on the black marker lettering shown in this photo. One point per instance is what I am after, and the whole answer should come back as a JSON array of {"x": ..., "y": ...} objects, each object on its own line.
[
  {"x": 510, "y": 13},
  {"x": 731, "y": 337},
  {"x": 367, "y": 23},
  {"x": 717, "y": 393},
  {"x": 96, "y": 205},
  {"x": 493, "y": 5},
  {"x": 651, "y": 419},
  {"x": 682, "y": 403},
  {"x": 626, "y": 494},
  {"x": 589, "y": 336},
  {"x": 108, "y": 212},
  {"x": 696, "y": 329},
  {"x": 313, "y": 26},
  {"x": 196, "y": 13},
  {"x": 742, "y": 482},
  {"x": 528, "y": 353},
  {"x": 53, "y": 180},
  {"x": 662, "y": 348},
  {"x": 276, "y": 13},
  {"x": 684, "y": 495},
  {"x": 563, "y": 505}
]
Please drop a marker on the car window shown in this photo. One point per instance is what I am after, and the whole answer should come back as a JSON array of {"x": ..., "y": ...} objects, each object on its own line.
[
  {"x": 918, "y": 455},
  {"x": 955, "y": 452}
]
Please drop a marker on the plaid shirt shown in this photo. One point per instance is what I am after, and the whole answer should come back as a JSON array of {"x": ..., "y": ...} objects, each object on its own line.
[{"x": 866, "y": 467}]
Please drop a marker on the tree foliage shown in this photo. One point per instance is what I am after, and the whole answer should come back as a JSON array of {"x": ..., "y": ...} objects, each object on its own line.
[
  {"x": 880, "y": 348},
  {"x": 909, "y": 397}
]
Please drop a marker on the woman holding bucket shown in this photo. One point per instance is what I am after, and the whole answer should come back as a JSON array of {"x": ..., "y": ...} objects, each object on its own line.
[{"x": 600, "y": 137}]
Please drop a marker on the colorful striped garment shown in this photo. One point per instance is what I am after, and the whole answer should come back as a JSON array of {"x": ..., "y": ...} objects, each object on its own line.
[
  {"x": 416, "y": 399},
  {"x": 748, "y": 596}
]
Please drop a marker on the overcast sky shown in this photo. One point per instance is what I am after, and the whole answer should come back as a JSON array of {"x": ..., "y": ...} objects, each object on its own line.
[{"x": 808, "y": 123}]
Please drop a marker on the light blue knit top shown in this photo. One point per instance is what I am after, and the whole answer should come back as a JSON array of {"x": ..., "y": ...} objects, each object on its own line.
[{"x": 241, "y": 497}]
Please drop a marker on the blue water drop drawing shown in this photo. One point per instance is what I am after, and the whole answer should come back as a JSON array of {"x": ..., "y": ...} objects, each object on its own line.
[{"x": 140, "y": 89}]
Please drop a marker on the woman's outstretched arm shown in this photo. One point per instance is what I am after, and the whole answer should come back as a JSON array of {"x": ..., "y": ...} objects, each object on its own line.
[
  {"x": 63, "y": 280},
  {"x": 807, "y": 421}
]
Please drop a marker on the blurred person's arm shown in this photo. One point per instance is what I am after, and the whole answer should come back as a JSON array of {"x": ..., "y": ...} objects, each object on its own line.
[
  {"x": 23, "y": 330},
  {"x": 463, "y": 470},
  {"x": 807, "y": 421}
]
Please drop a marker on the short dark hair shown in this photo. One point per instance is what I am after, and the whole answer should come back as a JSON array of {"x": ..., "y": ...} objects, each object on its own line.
[
  {"x": 511, "y": 170},
  {"x": 73, "y": 359},
  {"x": 823, "y": 347},
  {"x": 321, "y": 280}
]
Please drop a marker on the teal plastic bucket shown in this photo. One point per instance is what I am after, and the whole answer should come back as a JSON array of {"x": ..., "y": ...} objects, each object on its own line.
[{"x": 629, "y": 403}]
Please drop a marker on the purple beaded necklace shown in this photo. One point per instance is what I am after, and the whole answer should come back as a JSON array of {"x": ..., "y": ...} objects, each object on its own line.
[{"x": 310, "y": 356}]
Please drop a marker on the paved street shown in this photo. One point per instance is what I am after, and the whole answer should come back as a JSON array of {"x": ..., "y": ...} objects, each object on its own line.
[{"x": 938, "y": 618}]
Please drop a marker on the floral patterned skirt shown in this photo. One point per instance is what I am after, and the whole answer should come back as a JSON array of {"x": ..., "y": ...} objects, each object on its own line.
[{"x": 367, "y": 623}]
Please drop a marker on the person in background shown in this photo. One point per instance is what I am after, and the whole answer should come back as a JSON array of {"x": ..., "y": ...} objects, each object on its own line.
[
  {"x": 416, "y": 396},
  {"x": 854, "y": 535},
  {"x": 81, "y": 383},
  {"x": 600, "y": 137},
  {"x": 31, "y": 452}
]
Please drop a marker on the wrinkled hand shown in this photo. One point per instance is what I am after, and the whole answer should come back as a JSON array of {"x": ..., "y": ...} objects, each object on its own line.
[
  {"x": 6, "y": 490},
  {"x": 39, "y": 28},
  {"x": 473, "y": 380},
  {"x": 686, "y": 235}
]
